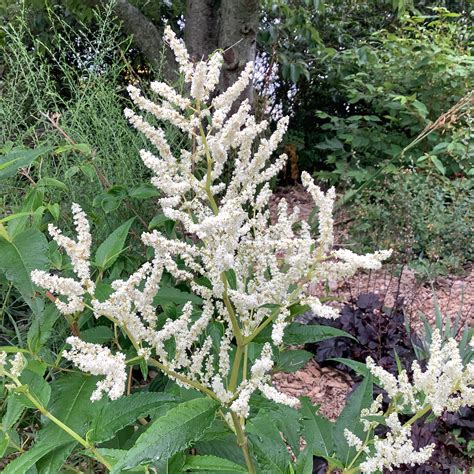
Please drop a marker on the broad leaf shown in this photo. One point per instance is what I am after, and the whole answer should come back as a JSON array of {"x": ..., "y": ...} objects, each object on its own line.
[
  {"x": 361, "y": 398},
  {"x": 291, "y": 361},
  {"x": 97, "y": 334},
  {"x": 119, "y": 413},
  {"x": 70, "y": 402},
  {"x": 211, "y": 464},
  {"x": 26, "y": 252},
  {"x": 40, "y": 329},
  {"x": 167, "y": 294},
  {"x": 269, "y": 448},
  {"x": 296, "y": 334},
  {"x": 13, "y": 161},
  {"x": 28, "y": 459},
  {"x": 37, "y": 386},
  {"x": 172, "y": 433},
  {"x": 112, "y": 247},
  {"x": 53, "y": 461},
  {"x": 317, "y": 429}
]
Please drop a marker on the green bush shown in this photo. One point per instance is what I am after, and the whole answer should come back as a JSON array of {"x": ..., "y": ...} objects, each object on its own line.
[
  {"x": 427, "y": 219},
  {"x": 376, "y": 96}
]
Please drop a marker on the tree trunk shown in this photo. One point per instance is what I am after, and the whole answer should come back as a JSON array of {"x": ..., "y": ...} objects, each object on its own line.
[
  {"x": 238, "y": 25},
  {"x": 230, "y": 25},
  {"x": 200, "y": 30}
]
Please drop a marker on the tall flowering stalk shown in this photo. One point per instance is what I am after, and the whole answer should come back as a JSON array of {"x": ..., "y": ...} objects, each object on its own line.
[{"x": 248, "y": 271}]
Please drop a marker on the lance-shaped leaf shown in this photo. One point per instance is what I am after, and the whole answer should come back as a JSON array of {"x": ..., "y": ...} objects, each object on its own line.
[
  {"x": 112, "y": 247},
  {"x": 172, "y": 433},
  {"x": 21, "y": 255},
  {"x": 119, "y": 413}
]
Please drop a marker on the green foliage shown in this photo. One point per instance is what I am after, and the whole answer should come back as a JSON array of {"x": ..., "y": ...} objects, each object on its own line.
[
  {"x": 21, "y": 254},
  {"x": 302, "y": 334},
  {"x": 122, "y": 412},
  {"x": 378, "y": 96},
  {"x": 426, "y": 219},
  {"x": 176, "y": 431}
]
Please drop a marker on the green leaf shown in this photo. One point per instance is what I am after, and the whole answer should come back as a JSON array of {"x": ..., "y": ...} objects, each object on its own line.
[
  {"x": 112, "y": 247},
  {"x": 119, "y": 413},
  {"x": 268, "y": 445},
  {"x": 361, "y": 398},
  {"x": 41, "y": 328},
  {"x": 54, "y": 460},
  {"x": 304, "y": 462},
  {"x": 4, "y": 442},
  {"x": 37, "y": 386},
  {"x": 291, "y": 361},
  {"x": 97, "y": 335},
  {"x": 13, "y": 161},
  {"x": 26, "y": 252},
  {"x": 83, "y": 148},
  {"x": 70, "y": 402},
  {"x": 52, "y": 183},
  {"x": 13, "y": 412},
  {"x": 358, "y": 367},
  {"x": 211, "y": 464},
  {"x": 317, "y": 430},
  {"x": 231, "y": 279},
  {"x": 168, "y": 294},
  {"x": 296, "y": 334},
  {"x": 172, "y": 433},
  {"x": 438, "y": 164},
  {"x": 28, "y": 459},
  {"x": 224, "y": 446},
  {"x": 143, "y": 191}
]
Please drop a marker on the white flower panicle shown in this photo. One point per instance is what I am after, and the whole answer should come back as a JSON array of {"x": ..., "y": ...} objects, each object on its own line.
[
  {"x": 446, "y": 384},
  {"x": 98, "y": 360},
  {"x": 79, "y": 252},
  {"x": 17, "y": 364},
  {"x": 247, "y": 270},
  {"x": 394, "y": 450},
  {"x": 180, "y": 52}
]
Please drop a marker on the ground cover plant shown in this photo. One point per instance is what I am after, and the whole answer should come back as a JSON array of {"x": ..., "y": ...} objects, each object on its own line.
[{"x": 210, "y": 303}]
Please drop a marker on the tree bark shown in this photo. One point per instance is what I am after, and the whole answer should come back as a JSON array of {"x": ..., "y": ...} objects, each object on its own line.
[
  {"x": 200, "y": 29},
  {"x": 238, "y": 25},
  {"x": 146, "y": 37}
]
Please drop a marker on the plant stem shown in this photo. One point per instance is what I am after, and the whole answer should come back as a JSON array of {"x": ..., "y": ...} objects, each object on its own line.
[
  {"x": 183, "y": 379},
  {"x": 66, "y": 428},
  {"x": 417, "y": 416},
  {"x": 243, "y": 443},
  {"x": 234, "y": 376}
]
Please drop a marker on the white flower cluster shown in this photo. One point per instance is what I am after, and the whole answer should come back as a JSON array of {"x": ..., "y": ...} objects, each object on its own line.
[
  {"x": 395, "y": 449},
  {"x": 446, "y": 384},
  {"x": 17, "y": 364},
  {"x": 236, "y": 260},
  {"x": 98, "y": 360},
  {"x": 260, "y": 379},
  {"x": 79, "y": 252}
]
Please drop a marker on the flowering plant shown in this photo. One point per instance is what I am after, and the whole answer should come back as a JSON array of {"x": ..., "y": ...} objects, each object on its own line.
[{"x": 250, "y": 277}]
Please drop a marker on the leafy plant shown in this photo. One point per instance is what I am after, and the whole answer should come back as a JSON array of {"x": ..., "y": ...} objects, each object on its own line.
[
  {"x": 378, "y": 332},
  {"x": 427, "y": 220},
  {"x": 209, "y": 308}
]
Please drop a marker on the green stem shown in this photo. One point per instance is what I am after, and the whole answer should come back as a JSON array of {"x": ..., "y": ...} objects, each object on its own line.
[
  {"x": 183, "y": 379},
  {"x": 68, "y": 430},
  {"x": 230, "y": 310},
  {"x": 417, "y": 416},
  {"x": 234, "y": 375},
  {"x": 212, "y": 201},
  {"x": 249, "y": 339},
  {"x": 243, "y": 443}
]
